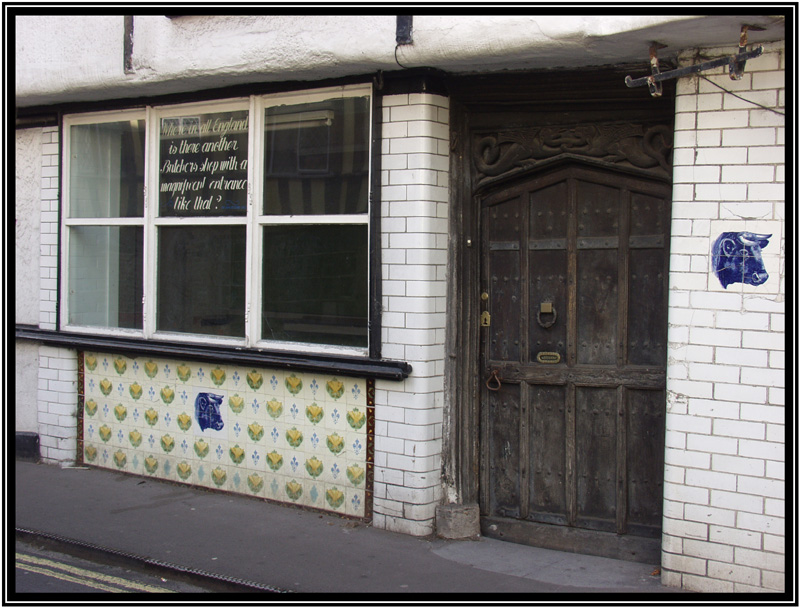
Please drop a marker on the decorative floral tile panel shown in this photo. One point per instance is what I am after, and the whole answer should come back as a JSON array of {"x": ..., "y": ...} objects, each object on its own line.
[{"x": 295, "y": 437}]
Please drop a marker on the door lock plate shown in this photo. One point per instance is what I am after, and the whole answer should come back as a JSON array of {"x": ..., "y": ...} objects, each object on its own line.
[{"x": 486, "y": 319}]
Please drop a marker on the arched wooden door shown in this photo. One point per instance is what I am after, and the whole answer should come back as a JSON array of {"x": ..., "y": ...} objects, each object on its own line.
[{"x": 573, "y": 360}]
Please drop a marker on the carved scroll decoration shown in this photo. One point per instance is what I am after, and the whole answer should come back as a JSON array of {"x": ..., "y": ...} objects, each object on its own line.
[{"x": 511, "y": 151}]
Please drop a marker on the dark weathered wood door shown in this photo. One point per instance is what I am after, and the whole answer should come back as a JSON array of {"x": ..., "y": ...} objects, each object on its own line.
[{"x": 573, "y": 348}]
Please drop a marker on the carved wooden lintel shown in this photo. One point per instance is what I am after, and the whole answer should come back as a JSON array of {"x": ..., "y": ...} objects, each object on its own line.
[{"x": 510, "y": 151}]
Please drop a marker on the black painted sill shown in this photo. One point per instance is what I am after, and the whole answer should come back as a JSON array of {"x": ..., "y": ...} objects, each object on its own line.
[{"x": 334, "y": 364}]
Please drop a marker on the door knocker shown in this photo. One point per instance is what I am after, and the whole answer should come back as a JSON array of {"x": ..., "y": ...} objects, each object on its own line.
[
  {"x": 548, "y": 309},
  {"x": 496, "y": 378}
]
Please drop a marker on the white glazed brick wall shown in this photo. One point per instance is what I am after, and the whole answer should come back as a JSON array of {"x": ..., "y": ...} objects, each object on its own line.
[
  {"x": 58, "y": 403},
  {"x": 58, "y": 367},
  {"x": 48, "y": 262},
  {"x": 724, "y": 479},
  {"x": 414, "y": 227}
]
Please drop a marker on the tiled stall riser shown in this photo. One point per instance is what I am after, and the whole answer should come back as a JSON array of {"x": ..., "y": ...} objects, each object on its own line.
[{"x": 293, "y": 437}]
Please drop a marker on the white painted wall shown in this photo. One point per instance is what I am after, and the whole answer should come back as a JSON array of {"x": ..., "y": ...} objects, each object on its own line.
[
  {"x": 28, "y": 183},
  {"x": 73, "y": 58},
  {"x": 724, "y": 491},
  {"x": 26, "y": 381}
]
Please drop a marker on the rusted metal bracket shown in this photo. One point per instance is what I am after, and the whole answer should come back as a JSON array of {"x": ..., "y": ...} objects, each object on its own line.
[
  {"x": 653, "y": 84},
  {"x": 735, "y": 65}
]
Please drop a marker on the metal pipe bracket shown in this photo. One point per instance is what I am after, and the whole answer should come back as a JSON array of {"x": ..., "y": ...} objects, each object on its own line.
[{"x": 735, "y": 63}]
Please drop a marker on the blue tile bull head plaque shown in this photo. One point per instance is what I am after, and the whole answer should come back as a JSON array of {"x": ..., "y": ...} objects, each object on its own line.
[
  {"x": 207, "y": 411},
  {"x": 736, "y": 257}
]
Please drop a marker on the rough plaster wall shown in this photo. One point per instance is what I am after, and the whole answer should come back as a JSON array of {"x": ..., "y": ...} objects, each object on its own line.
[
  {"x": 77, "y": 58},
  {"x": 315, "y": 46},
  {"x": 312, "y": 46},
  {"x": 64, "y": 53},
  {"x": 724, "y": 487},
  {"x": 26, "y": 378},
  {"x": 28, "y": 170}
]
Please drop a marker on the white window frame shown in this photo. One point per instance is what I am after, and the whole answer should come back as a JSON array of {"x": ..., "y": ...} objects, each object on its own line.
[
  {"x": 68, "y": 222},
  {"x": 260, "y": 219},
  {"x": 254, "y": 221},
  {"x": 154, "y": 221}
]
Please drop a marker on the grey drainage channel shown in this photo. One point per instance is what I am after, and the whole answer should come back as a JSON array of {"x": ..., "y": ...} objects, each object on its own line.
[{"x": 200, "y": 578}]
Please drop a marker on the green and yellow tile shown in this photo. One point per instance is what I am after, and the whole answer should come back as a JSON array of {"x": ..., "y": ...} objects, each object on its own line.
[
  {"x": 296, "y": 405},
  {"x": 220, "y": 476}
]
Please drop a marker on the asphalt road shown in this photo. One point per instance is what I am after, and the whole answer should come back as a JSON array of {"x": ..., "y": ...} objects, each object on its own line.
[{"x": 43, "y": 570}]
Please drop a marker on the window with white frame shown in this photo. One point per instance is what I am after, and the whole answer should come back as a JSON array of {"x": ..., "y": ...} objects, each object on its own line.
[{"x": 241, "y": 222}]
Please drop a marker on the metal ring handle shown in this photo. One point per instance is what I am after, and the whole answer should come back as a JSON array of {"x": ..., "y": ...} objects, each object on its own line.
[
  {"x": 496, "y": 378},
  {"x": 548, "y": 324}
]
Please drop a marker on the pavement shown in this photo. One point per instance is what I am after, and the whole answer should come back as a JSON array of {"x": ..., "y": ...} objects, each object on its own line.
[{"x": 274, "y": 547}]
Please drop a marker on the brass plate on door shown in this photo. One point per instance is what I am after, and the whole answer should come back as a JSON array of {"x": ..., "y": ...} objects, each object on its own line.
[
  {"x": 486, "y": 319},
  {"x": 547, "y": 357}
]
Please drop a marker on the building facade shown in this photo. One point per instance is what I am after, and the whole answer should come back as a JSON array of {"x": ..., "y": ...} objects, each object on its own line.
[{"x": 433, "y": 283}]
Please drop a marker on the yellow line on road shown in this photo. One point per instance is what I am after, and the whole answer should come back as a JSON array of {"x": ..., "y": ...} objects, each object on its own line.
[
  {"x": 71, "y": 579},
  {"x": 86, "y": 577}
]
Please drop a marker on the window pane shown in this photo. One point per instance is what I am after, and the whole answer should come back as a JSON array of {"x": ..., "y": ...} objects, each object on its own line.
[
  {"x": 201, "y": 280},
  {"x": 315, "y": 285},
  {"x": 317, "y": 158},
  {"x": 106, "y": 169},
  {"x": 105, "y": 276},
  {"x": 203, "y": 164}
]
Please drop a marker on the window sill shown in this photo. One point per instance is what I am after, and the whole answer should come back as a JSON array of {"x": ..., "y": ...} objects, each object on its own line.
[{"x": 335, "y": 364}]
